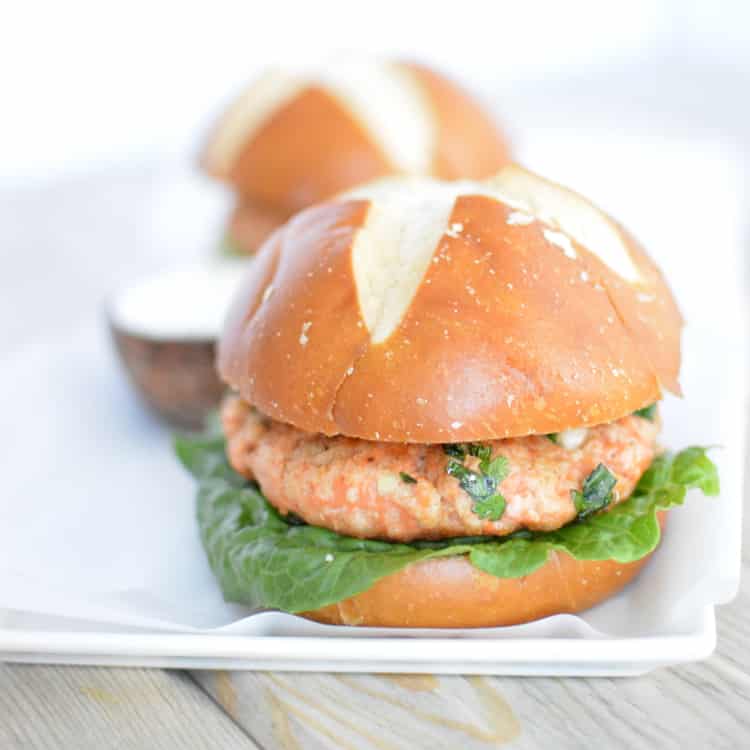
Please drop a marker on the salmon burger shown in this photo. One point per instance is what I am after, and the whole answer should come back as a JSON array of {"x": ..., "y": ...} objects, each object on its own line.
[{"x": 443, "y": 409}]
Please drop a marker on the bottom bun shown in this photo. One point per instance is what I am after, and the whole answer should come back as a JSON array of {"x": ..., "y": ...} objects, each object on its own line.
[
  {"x": 450, "y": 592},
  {"x": 250, "y": 225}
]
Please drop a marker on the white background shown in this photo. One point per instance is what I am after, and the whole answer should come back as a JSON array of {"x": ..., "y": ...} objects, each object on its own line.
[{"x": 84, "y": 82}]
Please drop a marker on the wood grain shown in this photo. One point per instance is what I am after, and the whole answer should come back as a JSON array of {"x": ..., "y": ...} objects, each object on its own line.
[
  {"x": 365, "y": 712},
  {"x": 85, "y": 707},
  {"x": 705, "y": 705}
]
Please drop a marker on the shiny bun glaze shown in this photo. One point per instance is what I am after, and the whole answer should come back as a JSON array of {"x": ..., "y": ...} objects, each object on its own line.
[{"x": 413, "y": 310}]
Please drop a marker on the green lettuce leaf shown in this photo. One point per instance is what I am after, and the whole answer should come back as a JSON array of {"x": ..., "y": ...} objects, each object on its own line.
[
  {"x": 263, "y": 561},
  {"x": 230, "y": 248}
]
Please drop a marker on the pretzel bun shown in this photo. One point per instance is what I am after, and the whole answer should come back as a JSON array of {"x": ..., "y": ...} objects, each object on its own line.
[
  {"x": 450, "y": 592},
  {"x": 413, "y": 310},
  {"x": 294, "y": 139},
  {"x": 250, "y": 225}
]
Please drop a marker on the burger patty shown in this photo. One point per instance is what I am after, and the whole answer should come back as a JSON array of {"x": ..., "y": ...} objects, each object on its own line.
[{"x": 403, "y": 492}]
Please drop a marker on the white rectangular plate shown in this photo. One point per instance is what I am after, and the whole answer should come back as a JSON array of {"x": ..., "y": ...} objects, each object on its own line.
[
  {"x": 348, "y": 653},
  {"x": 99, "y": 557}
]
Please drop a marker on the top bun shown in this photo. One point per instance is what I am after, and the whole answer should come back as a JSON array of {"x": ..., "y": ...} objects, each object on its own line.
[
  {"x": 293, "y": 139},
  {"x": 414, "y": 310}
]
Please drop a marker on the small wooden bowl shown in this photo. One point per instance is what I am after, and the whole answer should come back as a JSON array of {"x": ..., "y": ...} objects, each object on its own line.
[{"x": 165, "y": 329}]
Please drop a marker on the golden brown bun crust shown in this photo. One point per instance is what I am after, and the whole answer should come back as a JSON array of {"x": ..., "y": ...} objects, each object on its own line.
[
  {"x": 313, "y": 147},
  {"x": 251, "y": 224},
  {"x": 469, "y": 144},
  {"x": 308, "y": 150},
  {"x": 504, "y": 336},
  {"x": 451, "y": 593}
]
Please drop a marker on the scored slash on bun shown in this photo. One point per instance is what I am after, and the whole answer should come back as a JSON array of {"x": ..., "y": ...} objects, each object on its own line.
[
  {"x": 449, "y": 592},
  {"x": 294, "y": 139},
  {"x": 413, "y": 310}
]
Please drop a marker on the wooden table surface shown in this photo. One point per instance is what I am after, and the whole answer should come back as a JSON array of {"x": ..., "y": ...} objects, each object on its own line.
[{"x": 704, "y": 705}]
